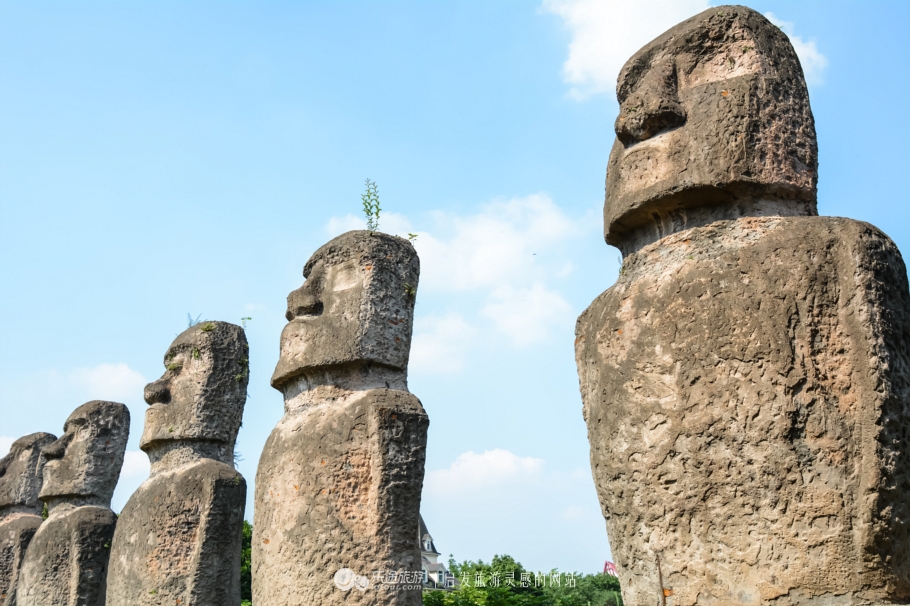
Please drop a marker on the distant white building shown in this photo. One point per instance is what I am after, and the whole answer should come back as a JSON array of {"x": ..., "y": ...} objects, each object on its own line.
[{"x": 435, "y": 574}]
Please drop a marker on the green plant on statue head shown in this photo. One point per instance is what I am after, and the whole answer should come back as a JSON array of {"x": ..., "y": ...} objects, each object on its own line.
[{"x": 371, "y": 205}]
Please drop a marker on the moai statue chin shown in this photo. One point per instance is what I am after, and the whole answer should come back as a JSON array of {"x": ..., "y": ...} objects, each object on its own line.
[
  {"x": 20, "y": 510},
  {"x": 179, "y": 537},
  {"x": 746, "y": 381},
  {"x": 66, "y": 562},
  {"x": 339, "y": 481}
]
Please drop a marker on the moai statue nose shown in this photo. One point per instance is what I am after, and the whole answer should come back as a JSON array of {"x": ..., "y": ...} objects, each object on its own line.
[
  {"x": 158, "y": 392},
  {"x": 652, "y": 108}
]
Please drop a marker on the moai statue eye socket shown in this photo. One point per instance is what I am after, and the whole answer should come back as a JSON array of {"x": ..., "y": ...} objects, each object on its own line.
[
  {"x": 712, "y": 112},
  {"x": 355, "y": 306}
]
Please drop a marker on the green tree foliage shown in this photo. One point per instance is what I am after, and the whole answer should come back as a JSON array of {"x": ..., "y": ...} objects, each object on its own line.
[
  {"x": 246, "y": 571},
  {"x": 503, "y": 586}
]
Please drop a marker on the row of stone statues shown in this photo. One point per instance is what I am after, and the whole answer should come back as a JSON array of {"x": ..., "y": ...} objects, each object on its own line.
[
  {"x": 746, "y": 387},
  {"x": 339, "y": 481}
]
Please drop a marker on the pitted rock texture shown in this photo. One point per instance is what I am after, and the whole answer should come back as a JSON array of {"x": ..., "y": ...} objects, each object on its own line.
[
  {"x": 339, "y": 480},
  {"x": 20, "y": 510},
  {"x": 746, "y": 388},
  {"x": 66, "y": 562},
  {"x": 339, "y": 487},
  {"x": 179, "y": 537},
  {"x": 713, "y": 113}
]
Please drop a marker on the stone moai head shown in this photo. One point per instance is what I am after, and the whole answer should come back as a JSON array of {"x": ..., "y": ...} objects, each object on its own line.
[
  {"x": 712, "y": 112},
  {"x": 85, "y": 462},
  {"x": 201, "y": 395},
  {"x": 357, "y": 305},
  {"x": 21, "y": 474}
]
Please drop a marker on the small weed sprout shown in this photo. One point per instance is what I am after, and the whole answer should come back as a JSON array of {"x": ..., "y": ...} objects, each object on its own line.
[
  {"x": 196, "y": 354},
  {"x": 190, "y": 322},
  {"x": 410, "y": 290},
  {"x": 173, "y": 367},
  {"x": 731, "y": 61},
  {"x": 412, "y": 237},
  {"x": 207, "y": 327},
  {"x": 371, "y": 206},
  {"x": 244, "y": 320}
]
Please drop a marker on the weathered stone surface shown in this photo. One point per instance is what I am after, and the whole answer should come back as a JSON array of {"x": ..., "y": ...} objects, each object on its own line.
[
  {"x": 20, "y": 510},
  {"x": 746, "y": 381},
  {"x": 66, "y": 562},
  {"x": 339, "y": 481},
  {"x": 179, "y": 536}
]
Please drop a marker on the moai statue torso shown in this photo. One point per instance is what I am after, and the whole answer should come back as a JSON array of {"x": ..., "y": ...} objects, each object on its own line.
[
  {"x": 67, "y": 560},
  {"x": 178, "y": 539},
  {"x": 746, "y": 381},
  {"x": 20, "y": 510},
  {"x": 339, "y": 481}
]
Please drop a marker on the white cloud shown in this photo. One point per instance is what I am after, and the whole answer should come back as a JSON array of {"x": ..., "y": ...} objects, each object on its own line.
[
  {"x": 135, "y": 463},
  {"x": 6, "y": 443},
  {"x": 526, "y": 315},
  {"x": 813, "y": 62},
  {"x": 496, "y": 246},
  {"x": 440, "y": 343},
  {"x": 472, "y": 472},
  {"x": 605, "y": 33},
  {"x": 109, "y": 381}
]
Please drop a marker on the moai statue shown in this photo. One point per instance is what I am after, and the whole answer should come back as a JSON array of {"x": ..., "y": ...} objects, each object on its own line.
[
  {"x": 746, "y": 381},
  {"x": 179, "y": 537},
  {"x": 339, "y": 482},
  {"x": 20, "y": 510},
  {"x": 66, "y": 562}
]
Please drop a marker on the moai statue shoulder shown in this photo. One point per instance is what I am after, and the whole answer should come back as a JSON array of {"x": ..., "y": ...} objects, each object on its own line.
[
  {"x": 339, "y": 481},
  {"x": 20, "y": 510},
  {"x": 178, "y": 539},
  {"x": 746, "y": 381},
  {"x": 66, "y": 562}
]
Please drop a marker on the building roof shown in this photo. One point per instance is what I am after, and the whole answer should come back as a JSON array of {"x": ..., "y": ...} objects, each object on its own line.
[{"x": 423, "y": 532}]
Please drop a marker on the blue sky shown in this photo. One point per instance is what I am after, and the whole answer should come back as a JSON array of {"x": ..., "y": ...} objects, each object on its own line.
[{"x": 163, "y": 158}]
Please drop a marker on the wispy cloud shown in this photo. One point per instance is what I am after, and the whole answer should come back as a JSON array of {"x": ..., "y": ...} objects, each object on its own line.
[
  {"x": 605, "y": 33},
  {"x": 472, "y": 472},
  {"x": 812, "y": 60},
  {"x": 6, "y": 443},
  {"x": 108, "y": 381}
]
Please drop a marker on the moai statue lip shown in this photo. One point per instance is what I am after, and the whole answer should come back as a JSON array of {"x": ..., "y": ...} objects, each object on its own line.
[
  {"x": 713, "y": 113},
  {"x": 355, "y": 306},
  {"x": 84, "y": 463},
  {"x": 21, "y": 474},
  {"x": 202, "y": 393}
]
